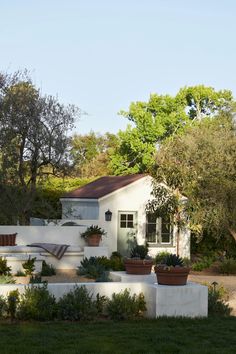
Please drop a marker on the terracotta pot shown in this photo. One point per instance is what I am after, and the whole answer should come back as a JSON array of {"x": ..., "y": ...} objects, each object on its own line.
[
  {"x": 138, "y": 266},
  {"x": 171, "y": 275},
  {"x": 94, "y": 240}
]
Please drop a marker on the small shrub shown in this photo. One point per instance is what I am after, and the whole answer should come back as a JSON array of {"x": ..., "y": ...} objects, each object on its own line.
[
  {"x": 47, "y": 270},
  {"x": 77, "y": 305},
  {"x": 12, "y": 302},
  {"x": 4, "y": 269},
  {"x": 228, "y": 266},
  {"x": 123, "y": 306},
  {"x": 29, "y": 265},
  {"x": 36, "y": 279},
  {"x": 91, "y": 268},
  {"x": 117, "y": 262},
  {"x": 217, "y": 305},
  {"x": 37, "y": 304},
  {"x": 203, "y": 263}
]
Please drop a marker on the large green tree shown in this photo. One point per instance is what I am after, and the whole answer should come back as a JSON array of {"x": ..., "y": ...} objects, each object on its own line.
[
  {"x": 163, "y": 115},
  {"x": 90, "y": 153},
  {"x": 33, "y": 141},
  {"x": 201, "y": 165}
]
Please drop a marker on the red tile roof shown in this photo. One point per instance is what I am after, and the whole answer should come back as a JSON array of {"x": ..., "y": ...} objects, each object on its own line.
[{"x": 103, "y": 186}]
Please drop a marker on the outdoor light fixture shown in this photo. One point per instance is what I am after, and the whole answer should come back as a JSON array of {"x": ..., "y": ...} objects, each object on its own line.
[{"x": 108, "y": 215}]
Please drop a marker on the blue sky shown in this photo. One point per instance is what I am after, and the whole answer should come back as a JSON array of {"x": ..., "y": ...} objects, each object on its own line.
[{"x": 103, "y": 54}]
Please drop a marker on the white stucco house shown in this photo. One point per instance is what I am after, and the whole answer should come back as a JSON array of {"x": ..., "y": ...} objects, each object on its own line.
[{"x": 125, "y": 199}]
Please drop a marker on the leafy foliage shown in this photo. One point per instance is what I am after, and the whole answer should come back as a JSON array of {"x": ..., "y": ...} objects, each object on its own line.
[
  {"x": 160, "y": 257},
  {"x": 33, "y": 140},
  {"x": 139, "y": 251},
  {"x": 124, "y": 306},
  {"x": 217, "y": 306},
  {"x": 203, "y": 263},
  {"x": 12, "y": 302},
  {"x": 160, "y": 118},
  {"x": 37, "y": 303},
  {"x": 77, "y": 305},
  {"x": 90, "y": 154},
  {"x": 4, "y": 269},
  {"x": 7, "y": 279},
  {"x": 200, "y": 164},
  {"x": 95, "y": 268},
  {"x": 228, "y": 266},
  {"x": 93, "y": 230},
  {"x": 29, "y": 265},
  {"x": 47, "y": 269}
]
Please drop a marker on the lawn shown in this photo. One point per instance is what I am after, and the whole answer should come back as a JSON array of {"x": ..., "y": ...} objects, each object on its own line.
[{"x": 165, "y": 335}]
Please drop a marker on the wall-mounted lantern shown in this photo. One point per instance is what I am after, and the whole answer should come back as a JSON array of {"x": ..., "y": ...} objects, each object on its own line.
[{"x": 108, "y": 215}]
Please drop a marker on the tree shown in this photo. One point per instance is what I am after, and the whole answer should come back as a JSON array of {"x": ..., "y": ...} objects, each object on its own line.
[
  {"x": 201, "y": 165},
  {"x": 159, "y": 118},
  {"x": 33, "y": 140},
  {"x": 90, "y": 153},
  {"x": 201, "y": 101}
]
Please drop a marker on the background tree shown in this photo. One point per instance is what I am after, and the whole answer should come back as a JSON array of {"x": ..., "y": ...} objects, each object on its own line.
[
  {"x": 159, "y": 118},
  {"x": 33, "y": 140},
  {"x": 201, "y": 165},
  {"x": 90, "y": 154}
]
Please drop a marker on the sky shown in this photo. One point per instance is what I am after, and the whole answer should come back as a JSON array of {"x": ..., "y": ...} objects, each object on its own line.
[{"x": 101, "y": 55}]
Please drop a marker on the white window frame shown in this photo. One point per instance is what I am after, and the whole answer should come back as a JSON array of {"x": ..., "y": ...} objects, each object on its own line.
[{"x": 159, "y": 233}]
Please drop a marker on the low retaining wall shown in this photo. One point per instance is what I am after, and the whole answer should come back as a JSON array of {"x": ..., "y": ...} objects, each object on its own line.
[{"x": 190, "y": 300}]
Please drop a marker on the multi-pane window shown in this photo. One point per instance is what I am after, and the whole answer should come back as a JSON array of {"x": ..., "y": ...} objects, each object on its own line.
[
  {"x": 127, "y": 221},
  {"x": 158, "y": 230}
]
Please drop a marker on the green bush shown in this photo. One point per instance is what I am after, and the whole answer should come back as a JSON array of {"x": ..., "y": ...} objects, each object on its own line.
[
  {"x": 4, "y": 269},
  {"x": 37, "y": 304},
  {"x": 47, "y": 270},
  {"x": 123, "y": 306},
  {"x": 29, "y": 265},
  {"x": 3, "y": 306},
  {"x": 117, "y": 262},
  {"x": 228, "y": 266},
  {"x": 217, "y": 305},
  {"x": 12, "y": 302},
  {"x": 77, "y": 305},
  {"x": 95, "y": 268},
  {"x": 203, "y": 263}
]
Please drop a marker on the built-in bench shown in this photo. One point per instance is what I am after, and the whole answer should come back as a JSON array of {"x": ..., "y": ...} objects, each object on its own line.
[{"x": 71, "y": 259}]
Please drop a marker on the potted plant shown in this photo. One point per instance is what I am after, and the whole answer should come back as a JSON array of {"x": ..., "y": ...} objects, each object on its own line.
[
  {"x": 171, "y": 271},
  {"x": 139, "y": 262},
  {"x": 93, "y": 235}
]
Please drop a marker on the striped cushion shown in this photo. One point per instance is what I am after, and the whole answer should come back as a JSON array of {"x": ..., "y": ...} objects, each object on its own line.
[{"x": 8, "y": 239}]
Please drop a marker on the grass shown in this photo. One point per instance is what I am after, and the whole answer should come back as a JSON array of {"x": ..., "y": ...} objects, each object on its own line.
[{"x": 165, "y": 335}]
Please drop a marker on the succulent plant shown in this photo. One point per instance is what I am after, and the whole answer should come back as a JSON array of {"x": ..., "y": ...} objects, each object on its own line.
[
  {"x": 139, "y": 251},
  {"x": 91, "y": 230},
  {"x": 172, "y": 260}
]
